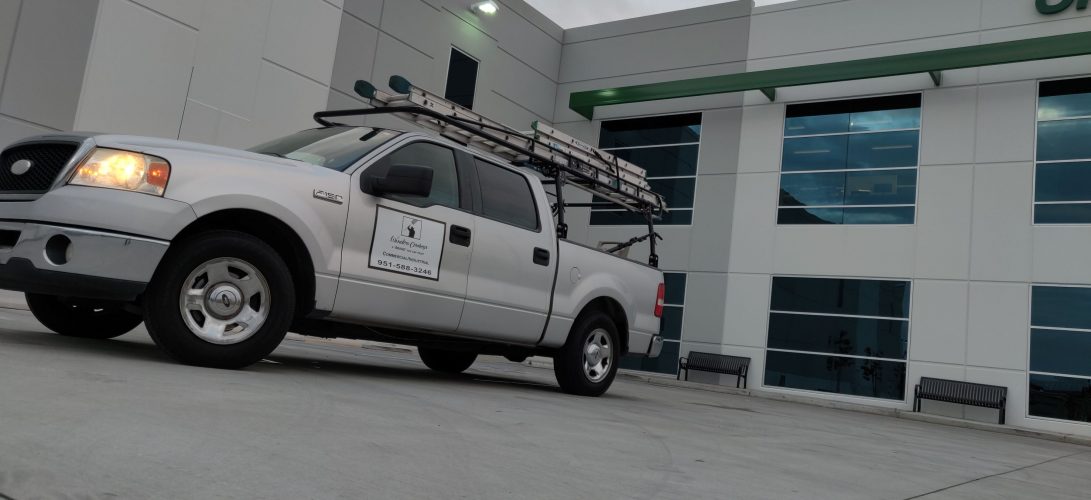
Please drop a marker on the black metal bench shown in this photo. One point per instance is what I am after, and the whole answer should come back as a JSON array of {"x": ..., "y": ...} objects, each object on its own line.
[
  {"x": 963, "y": 393},
  {"x": 715, "y": 363}
]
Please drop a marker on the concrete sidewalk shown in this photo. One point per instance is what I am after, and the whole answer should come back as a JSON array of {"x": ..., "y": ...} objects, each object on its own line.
[{"x": 115, "y": 419}]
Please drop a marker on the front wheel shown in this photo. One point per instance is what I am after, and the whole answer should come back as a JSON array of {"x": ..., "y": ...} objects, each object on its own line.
[
  {"x": 222, "y": 299},
  {"x": 587, "y": 363},
  {"x": 83, "y": 319},
  {"x": 446, "y": 361}
]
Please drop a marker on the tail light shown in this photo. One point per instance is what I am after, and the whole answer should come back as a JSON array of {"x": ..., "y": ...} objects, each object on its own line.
[{"x": 660, "y": 296}]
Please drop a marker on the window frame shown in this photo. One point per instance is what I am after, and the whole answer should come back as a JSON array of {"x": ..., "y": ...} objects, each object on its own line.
[
  {"x": 1035, "y": 162},
  {"x": 447, "y": 74},
  {"x": 696, "y": 171},
  {"x": 782, "y": 173},
  {"x": 480, "y": 209},
  {"x": 906, "y": 393},
  {"x": 461, "y": 177},
  {"x": 1030, "y": 334}
]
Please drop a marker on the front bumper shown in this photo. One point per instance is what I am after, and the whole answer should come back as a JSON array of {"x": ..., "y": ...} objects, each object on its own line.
[
  {"x": 75, "y": 262},
  {"x": 655, "y": 347}
]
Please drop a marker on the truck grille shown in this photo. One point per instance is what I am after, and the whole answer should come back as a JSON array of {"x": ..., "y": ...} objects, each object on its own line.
[{"x": 47, "y": 160}]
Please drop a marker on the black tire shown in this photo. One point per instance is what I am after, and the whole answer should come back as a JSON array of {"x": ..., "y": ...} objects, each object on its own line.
[
  {"x": 73, "y": 318},
  {"x": 568, "y": 363},
  {"x": 167, "y": 325},
  {"x": 445, "y": 361}
]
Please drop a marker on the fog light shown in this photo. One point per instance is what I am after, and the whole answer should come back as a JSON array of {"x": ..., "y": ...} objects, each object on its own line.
[{"x": 58, "y": 250}]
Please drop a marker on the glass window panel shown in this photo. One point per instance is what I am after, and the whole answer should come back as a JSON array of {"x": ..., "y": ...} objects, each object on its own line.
[
  {"x": 664, "y": 161},
  {"x": 840, "y": 375},
  {"x": 888, "y": 119},
  {"x": 839, "y": 335},
  {"x": 1063, "y": 182},
  {"x": 810, "y": 216},
  {"x": 882, "y": 298},
  {"x": 331, "y": 147},
  {"x": 506, "y": 196},
  {"x": 1064, "y": 106},
  {"x": 1064, "y": 140},
  {"x": 673, "y": 129},
  {"x": 667, "y": 362},
  {"x": 815, "y": 153},
  {"x": 627, "y": 218},
  {"x": 1060, "y": 397},
  {"x": 677, "y": 192},
  {"x": 676, "y": 288},
  {"x": 670, "y": 326},
  {"x": 1060, "y": 351},
  {"x": 1060, "y": 307},
  {"x": 461, "y": 79},
  {"x": 1067, "y": 213},
  {"x": 817, "y": 124},
  {"x": 879, "y": 215},
  {"x": 826, "y": 188},
  {"x": 884, "y": 187},
  {"x": 883, "y": 150}
]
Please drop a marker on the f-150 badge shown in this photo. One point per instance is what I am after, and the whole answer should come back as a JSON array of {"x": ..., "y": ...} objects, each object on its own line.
[{"x": 328, "y": 196}]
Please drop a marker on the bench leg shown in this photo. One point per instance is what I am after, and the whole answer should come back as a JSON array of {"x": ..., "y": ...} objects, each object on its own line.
[
  {"x": 687, "y": 375},
  {"x": 1001, "y": 416},
  {"x": 916, "y": 404}
]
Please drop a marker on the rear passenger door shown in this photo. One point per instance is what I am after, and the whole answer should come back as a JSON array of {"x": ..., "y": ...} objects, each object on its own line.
[{"x": 513, "y": 263}]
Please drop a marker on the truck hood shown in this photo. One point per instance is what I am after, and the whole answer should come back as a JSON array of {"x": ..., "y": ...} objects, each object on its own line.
[{"x": 163, "y": 147}]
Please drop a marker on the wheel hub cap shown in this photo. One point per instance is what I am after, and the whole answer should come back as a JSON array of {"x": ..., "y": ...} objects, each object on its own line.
[
  {"x": 598, "y": 355},
  {"x": 224, "y": 301}
]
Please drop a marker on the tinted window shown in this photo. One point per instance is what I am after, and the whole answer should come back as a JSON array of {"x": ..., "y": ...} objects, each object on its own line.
[
  {"x": 854, "y": 376},
  {"x": 839, "y": 335},
  {"x": 461, "y": 79},
  {"x": 1067, "y": 398},
  {"x": 335, "y": 148},
  {"x": 841, "y": 158},
  {"x": 1064, "y": 135},
  {"x": 425, "y": 154},
  {"x": 662, "y": 161},
  {"x": 888, "y": 299},
  {"x": 672, "y": 129},
  {"x": 1060, "y": 347},
  {"x": 506, "y": 196},
  {"x": 675, "y": 288}
]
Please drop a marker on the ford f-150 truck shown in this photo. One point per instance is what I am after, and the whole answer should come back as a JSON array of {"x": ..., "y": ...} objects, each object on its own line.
[{"x": 337, "y": 231}]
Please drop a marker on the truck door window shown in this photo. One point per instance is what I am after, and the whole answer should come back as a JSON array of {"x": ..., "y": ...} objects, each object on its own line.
[
  {"x": 425, "y": 154},
  {"x": 506, "y": 196}
]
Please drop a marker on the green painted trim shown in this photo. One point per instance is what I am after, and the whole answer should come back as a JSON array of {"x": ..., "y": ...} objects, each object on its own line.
[
  {"x": 1033, "y": 49},
  {"x": 937, "y": 77},
  {"x": 770, "y": 93}
]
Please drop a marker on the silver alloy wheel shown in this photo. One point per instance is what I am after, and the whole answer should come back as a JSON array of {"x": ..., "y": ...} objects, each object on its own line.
[
  {"x": 598, "y": 355},
  {"x": 224, "y": 301}
]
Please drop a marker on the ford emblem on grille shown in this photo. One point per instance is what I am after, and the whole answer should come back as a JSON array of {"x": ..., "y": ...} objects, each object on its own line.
[{"x": 21, "y": 167}]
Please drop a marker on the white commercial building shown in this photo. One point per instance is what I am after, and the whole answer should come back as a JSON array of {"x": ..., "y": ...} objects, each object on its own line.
[{"x": 863, "y": 192}]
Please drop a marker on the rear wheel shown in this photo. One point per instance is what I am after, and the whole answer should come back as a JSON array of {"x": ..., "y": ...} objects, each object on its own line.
[
  {"x": 587, "y": 363},
  {"x": 445, "y": 361},
  {"x": 83, "y": 319},
  {"x": 222, "y": 299}
]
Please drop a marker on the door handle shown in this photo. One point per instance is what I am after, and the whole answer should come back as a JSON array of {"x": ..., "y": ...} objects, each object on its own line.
[
  {"x": 460, "y": 236},
  {"x": 541, "y": 256}
]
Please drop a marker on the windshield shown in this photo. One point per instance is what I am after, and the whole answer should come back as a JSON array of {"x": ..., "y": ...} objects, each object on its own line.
[{"x": 336, "y": 148}]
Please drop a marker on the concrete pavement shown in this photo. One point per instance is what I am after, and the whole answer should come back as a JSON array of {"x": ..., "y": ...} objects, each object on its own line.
[{"x": 115, "y": 419}]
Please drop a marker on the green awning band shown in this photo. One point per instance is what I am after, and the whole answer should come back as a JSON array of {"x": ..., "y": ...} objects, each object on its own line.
[{"x": 934, "y": 61}]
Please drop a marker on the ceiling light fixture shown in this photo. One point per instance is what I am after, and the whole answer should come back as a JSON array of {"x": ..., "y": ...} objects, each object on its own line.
[{"x": 488, "y": 8}]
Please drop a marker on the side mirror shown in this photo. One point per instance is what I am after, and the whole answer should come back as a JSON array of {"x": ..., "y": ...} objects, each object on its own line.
[{"x": 408, "y": 180}]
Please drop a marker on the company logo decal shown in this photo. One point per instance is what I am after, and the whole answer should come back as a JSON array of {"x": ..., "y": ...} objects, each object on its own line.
[
  {"x": 411, "y": 227},
  {"x": 21, "y": 167},
  {"x": 1058, "y": 6}
]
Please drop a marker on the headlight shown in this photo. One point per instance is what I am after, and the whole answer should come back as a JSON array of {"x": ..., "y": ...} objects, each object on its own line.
[{"x": 116, "y": 169}]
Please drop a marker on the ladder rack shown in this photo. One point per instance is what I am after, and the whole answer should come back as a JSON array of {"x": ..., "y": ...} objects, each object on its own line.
[{"x": 566, "y": 161}]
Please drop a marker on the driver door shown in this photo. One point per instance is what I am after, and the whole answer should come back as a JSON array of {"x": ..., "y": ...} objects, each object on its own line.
[{"x": 406, "y": 258}]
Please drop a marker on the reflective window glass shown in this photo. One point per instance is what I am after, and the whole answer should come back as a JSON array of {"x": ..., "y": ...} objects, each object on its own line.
[
  {"x": 888, "y": 119},
  {"x": 817, "y": 124},
  {"x": 1061, "y": 307},
  {"x": 461, "y": 79},
  {"x": 670, "y": 326},
  {"x": 667, "y": 362},
  {"x": 883, "y": 150},
  {"x": 801, "y": 190},
  {"x": 853, "y": 376},
  {"x": 651, "y": 131},
  {"x": 1067, "y": 398},
  {"x": 1064, "y": 106},
  {"x": 839, "y": 335},
  {"x": 678, "y": 192},
  {"x": 1065, "y": 213},
  {"x": 662, "y": 161},
  {"x": 506, "y": 196},
  {"x": 878, "y": 215},
  {"x": 626, "y": 218},
  {"x": 1060, "y": 351},
  {"x": 425, "y": 154},
  {"x": 1063, "y": 181},
  {"x": 811, "y": 216},
  {"x": 815, "y": 153},
  {"x": 882, "y": 298},
  {"x": 882, "y": 187},
  {"x": 1064, "y": 140}
]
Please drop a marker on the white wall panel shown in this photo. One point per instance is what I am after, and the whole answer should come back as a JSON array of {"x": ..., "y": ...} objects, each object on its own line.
[
  {"x": 138, "y": 72},
  {"x": 703, "y": 319},
  {"x": 999, "y": 325},
  {"x": 948, "y": 132},
  {"x": 746, "y": 315},
  {"x": 944, "y": 207},
  {"x": 710, "y": 239},
  {"x": 938, "y": 321},
  {"x": 762, "y": 138},
  {"x": 302, "y": 36},
  {"x": 1061, "y": 254},
  {"x": 754, "y": 223},
  {"x": 1001, "y": 242},
  {"x": 229, "y": 51},
  {"x": 1006, "y": 122}
]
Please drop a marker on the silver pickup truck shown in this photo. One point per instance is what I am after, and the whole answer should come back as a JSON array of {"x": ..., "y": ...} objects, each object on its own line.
[{"x": 338, "y": 231}]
